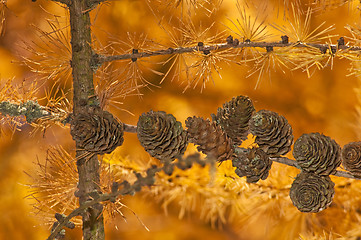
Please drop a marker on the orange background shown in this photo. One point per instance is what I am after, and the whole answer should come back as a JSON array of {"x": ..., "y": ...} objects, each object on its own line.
[{"x": 325, "y": 103}]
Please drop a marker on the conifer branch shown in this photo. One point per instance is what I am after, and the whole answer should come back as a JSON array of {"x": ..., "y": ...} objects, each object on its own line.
[
  {"x": 33, "y": 111},
  {"x": 129, "y": 189},
  {"x": 282, "y": 160},
  {"x": 99, "y": 59},
  {"x": 84, "y": 97},
  {"x": 30, "y": 109},
  {"x": 130, "y": 128},
  {"x": 293, "y": 163}
]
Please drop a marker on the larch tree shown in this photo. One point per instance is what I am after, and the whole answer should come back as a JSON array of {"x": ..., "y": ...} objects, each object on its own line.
[{"x": 112, "y": 79}]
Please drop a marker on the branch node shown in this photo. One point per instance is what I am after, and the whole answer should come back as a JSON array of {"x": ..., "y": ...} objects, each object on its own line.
[
  {"x": 235, "y": 42},
  {"x": 94, "y": 194},
  {"x": 95, "y": 62},
  {"x": 269, "y": 48},
  {"x": 229, "y": 39},
  {"x": 323, "y": 49},
  {"x": 61, "y": 218},
  {"x": 206, "y": 52},
  {"x": 285, "y": 39},
  {"x": 340, "y": 42},
  {"x": 333, "y": 49},
  {"x": 135, "y": 51},
  {"x": 171, "y": 50}
]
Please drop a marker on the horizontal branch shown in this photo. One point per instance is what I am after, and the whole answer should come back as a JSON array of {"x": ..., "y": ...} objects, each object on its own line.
[
  {"x": 149, "y": 180},
  {"x": 30, "y": 109},
  {"x": 130, "y": 189},
  {"x": 33, "y": 111},
  {"x": 129, "y": 128},
  {"x": 100, "y": 59},
  {"x": 76, "y": 212},
  {"x": 282, "y": 160},
  {"x": 293, "y": 163}
]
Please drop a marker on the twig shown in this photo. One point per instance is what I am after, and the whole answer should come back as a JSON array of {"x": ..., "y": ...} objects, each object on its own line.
[
  {"x": 282, "y": 160},
  {"x": 130, "y": 189},
  {"x": 130, "y": 128},
  {"x": 99, "y": 59},
  {"x": 30, "y": 109},
  {"x": 293, "y": 163},
  {"x": 286, "y": 161}
]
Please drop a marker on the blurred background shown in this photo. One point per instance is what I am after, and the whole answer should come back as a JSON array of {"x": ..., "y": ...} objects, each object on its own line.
[{"x": 200, "y": 203}]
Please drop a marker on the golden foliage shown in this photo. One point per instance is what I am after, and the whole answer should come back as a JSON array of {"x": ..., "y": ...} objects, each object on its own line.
[
  {"x": 58, "y": 105},
  {"x": 200, "y": 65},
  {"x": 134, "y": 72},
  {"x": 324, "y": 5},
  {"x": 204, "y": 65},
  {"x": 299, "y": 30},
  {"x": 50, "y": 56},
  {"x": 178, "y": 62},
  {"x": 110, "y": 88},
  {"x": 15, "y": 93},
  {"x": 247, "y": 28},
  {"x": 55, "y": 183},
  {"x": 214, "y": 194},
  {"x": 184, "y": 7},
  {"x": 272, "y": 60},
  {"x": 313, "y": 58},
  {"x": 353, "y": 55},
  {"x": 218, "y": 196}
]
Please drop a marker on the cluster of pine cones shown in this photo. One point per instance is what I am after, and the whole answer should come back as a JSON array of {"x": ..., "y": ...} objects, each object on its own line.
[{"x": 164, "y": 138}]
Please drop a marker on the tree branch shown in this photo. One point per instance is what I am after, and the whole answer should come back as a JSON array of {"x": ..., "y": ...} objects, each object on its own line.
[
  {"x": 149, "y": 180},
  {"x": 293, "y": 163},
  {"x": 282, "y": 160},
  {"x": 30, "y": 109},
  {"x": 130, "y": 189},
  {"x": 130, "y": 128},
  {"x": 100, "y": 59},
  {"x": 83, "y": 98}
]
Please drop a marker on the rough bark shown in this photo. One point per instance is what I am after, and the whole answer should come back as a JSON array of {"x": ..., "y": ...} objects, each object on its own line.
[{"x": 84, "y": 96}]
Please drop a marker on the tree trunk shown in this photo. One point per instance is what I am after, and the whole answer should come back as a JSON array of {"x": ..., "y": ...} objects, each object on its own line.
[{"x": 84, "y": 96}]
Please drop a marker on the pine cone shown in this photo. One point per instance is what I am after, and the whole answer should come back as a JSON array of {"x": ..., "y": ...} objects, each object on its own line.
[
  {"x": 317, "y": 153},
  {"x": 161, "y": 135},
  {"x": 273, "y": 132},
  {"x": 351, "y": 158},
  {"x": 97, "y": 131},
  {"x": 312, "y": 193},
  {"x": 210, "y": 138},
  {"x": 234, "y": 118},
  {"x": 254, "y": 163}
]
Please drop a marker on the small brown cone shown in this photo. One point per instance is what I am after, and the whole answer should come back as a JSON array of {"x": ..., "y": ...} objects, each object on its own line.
[
  {"x": 312, "y": 193},
  {"x": 234, "y": 116},
  {"x": 253, "y": 163},
  {"x": 317, "y": 153},
  {"x": 161, "y": 135},
  {"x": 210, "y": 138},
  {"x": 273, "y": 132},
  {"x": 97, "y": 131},
  {"x": 351, "y": 158}
]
